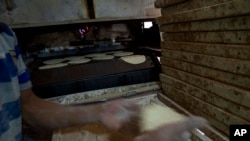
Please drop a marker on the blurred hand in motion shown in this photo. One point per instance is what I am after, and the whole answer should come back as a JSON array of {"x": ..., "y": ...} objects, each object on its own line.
[
  {"x": 117, "y": 112},
  {"x": 173, "y": 132}
]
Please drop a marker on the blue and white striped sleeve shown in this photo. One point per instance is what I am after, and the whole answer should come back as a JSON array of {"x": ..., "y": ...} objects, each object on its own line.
[{"x": 23, "y": 73}]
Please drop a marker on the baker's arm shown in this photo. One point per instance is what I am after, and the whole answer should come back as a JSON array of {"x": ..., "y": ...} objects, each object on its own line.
[
  {"x": 45, "y": 114},
  {"x": 174, "y": 131}
]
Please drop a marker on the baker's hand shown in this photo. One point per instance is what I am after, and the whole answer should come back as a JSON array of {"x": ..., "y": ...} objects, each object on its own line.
[
  {"x": 115, "y": 113},
  {"x": 173, "y": 132}
]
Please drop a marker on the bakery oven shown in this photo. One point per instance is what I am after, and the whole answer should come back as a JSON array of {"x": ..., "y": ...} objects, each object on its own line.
[
  {"x": 73, "y": 58},
  {"x": 89, "y": 63}
]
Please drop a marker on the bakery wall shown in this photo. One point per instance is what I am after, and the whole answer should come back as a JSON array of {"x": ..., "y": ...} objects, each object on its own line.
[
  {"x": 206, "y": 58},
  {"x": 22, "y": 12},
  {"x": 30, "y": 13}
]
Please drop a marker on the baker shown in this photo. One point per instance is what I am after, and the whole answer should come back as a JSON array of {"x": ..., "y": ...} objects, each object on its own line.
[{"x": 18, "y": 103}]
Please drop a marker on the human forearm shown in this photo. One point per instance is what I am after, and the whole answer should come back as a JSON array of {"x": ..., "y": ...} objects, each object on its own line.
[{"x": 44, "y": 114}]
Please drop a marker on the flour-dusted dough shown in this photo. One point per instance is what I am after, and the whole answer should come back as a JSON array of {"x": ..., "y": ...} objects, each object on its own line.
[
  {"x": 105, "y": 57},
  {"x": 113, "y": 52},
  {"x": 52, "y": 66},
  {"x": 53, "y": 61},
  {"x": 73, "y": 58},
  {"x": 80, "y": 136},
  {"x": 95, "y": 55},
  {"x": 123, "y": 54},
  {"x": 154, "y": 116},
  {"x": 134, "y": 59},
  {"x": 79, "y": 61}
]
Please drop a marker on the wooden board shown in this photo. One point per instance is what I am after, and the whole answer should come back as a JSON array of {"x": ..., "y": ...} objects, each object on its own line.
[
  {"x": 208, "y": 131},
  {"x": 218, "y": 101},
  {"x": 207, "y": 109},
  {"x": 195, "y": 111},
  {"x": 206, "y": 59},
  {"x": 227, "y": 9},
  {"x": 236, "y": 66},
  {"x": 231, "y": 93},
  {"x": 224, "y": 24},
  {"x": 221, "y": 50},
  {"x": 227, "y": 37},
  {"x": 214, "y": 74}
]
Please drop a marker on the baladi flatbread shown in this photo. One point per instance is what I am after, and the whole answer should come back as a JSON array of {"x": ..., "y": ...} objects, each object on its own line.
[
  {"x": 51, "y": 66},
  {"x": 113, "y": 52},
  {"x": 105, "y": 57},
  {"x": 79, "y": 61},
  {"x": 94, "y": 55},
  {"x": 134, "y": 59},
  {"x": 73, "y": 58},
  {"x": 121, "y": 54},
  {"x": 53, "y": 61}
]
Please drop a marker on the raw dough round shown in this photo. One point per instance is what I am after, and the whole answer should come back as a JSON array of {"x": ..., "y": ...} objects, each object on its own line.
[
  {"x": 53, "y": 61},
  {"x": 79, "y": 61},
  {"x": 113, "y": 52},
  {"x": 95, "y": 55},
  {"x": 105, "y": 57},
  {"x": 73, "y": 57},
  {"x": 134, "y": 59},
  {"x": 52, "y": 66},
  {"x": 154, "y": 116},
  {"x": 123, "y": 54}
]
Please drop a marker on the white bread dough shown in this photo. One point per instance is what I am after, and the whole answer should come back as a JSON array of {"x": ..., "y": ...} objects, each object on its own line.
[
  {"x": 79, "y": 61},
  {"x": 134, "y": 59},
  {"x": 95, "y": 55},
  {"x": 73, "y": 58},
  {"x": 105, "y": 57},
  {"x": 120, "y": 54},
  {"x": 153, "y": 116},
  {"x": 53, "y": 61},
  {"x": 52, "y": 66}
]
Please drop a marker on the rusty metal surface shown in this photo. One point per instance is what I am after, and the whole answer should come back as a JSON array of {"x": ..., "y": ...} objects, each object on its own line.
[
  {"x": 166, "y": 3},
  {"x": 189, "y": 5},
  {"x": 208, "y": 97},
  {"x": 221, "y": 50},
  {"x": 236, "y": 66},
  {"x": 214, "y": 74},
  {"x": 231, "y": 93},
  {"x": 227, "y": 9},
  {"x": 228, "y": 37},
  {"x": 226, "y": 24}
]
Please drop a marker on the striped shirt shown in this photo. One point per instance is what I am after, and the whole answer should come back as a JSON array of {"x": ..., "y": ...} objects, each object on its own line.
[{"x": 14, "y": 77}]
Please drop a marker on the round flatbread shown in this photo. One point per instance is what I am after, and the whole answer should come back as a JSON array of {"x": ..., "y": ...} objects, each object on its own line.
[
  {"x": 105, "y": 57},
  {"x": 123, "y": 54},
  {"x": 95, "y": 55},
  {"x": 73, "y": 58},
  {"x": 52, "y": 66},
  {"x": 134, "y": 59},
  {"x": 113, "y": 52},
  {"x": 53, "y": 61},
  {"x": 79, "y": 61},
  {"x": 153, "y": 116}
]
